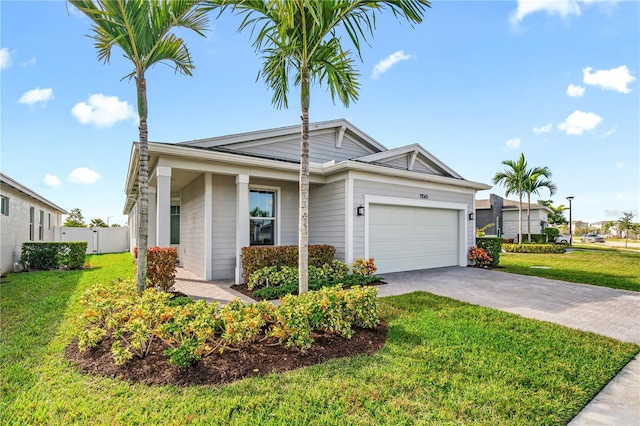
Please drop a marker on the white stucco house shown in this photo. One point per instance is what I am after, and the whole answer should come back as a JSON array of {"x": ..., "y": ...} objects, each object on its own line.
[
  {"x": 211, "y": 197},
  {"x": 24, "y": 216},
  {"x": 503, "y": 214}
]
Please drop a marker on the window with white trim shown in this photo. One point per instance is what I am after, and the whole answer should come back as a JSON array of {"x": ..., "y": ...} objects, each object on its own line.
[
  {"x": 32, "y": 214},
  {"x": 262, "y": 217},
  {"x": 41, "y": 226},
  {"x": 4, "y": 206},
  {"x": 175, "y": 225}
]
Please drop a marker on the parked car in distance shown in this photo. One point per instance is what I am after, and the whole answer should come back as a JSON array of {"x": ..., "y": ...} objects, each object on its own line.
[
  {"x": 562, "y": 239},
  {"x": 592, "y": 238}
]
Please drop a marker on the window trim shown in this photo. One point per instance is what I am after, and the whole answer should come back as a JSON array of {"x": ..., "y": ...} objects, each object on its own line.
[
  {"x": 41, "y": 225},
  {"x": 171, "y": 215},
  {"x": 277, "y": 221},
  {"x": 5, "y": 205},
  {"x": 32, "y": 218}
]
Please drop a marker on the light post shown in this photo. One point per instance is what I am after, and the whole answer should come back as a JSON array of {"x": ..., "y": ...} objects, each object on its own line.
[
  {"x": 108, "y": 217},
  {"x": 570, "y": 198}
]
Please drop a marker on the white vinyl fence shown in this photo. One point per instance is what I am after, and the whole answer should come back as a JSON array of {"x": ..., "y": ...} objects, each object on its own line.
[{"x": 99, "y": 240}]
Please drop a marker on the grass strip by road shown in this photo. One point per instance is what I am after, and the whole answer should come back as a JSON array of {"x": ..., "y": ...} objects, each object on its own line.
[
  {"x": 445, "y": 362},
  {"x": 614, "y": 269}
]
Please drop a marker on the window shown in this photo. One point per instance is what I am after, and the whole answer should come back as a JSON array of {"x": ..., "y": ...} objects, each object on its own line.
[
  {"x": 175, "y": 224},
  {"x": 4, "y": 206},
  {"x": 31, "y": 224},
  {"x": 41, "y": 226},
  {"x": 49, "y": 225},
  {"x": 262, "y": 213}
]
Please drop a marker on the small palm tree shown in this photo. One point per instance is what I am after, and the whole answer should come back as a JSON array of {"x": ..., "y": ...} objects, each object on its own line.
[
  {"x": 513, "y": 179},
  {"x": 300, "y": 37},
  {"x": 537, "y": 178},
  {"x": 142, "y": 29}
]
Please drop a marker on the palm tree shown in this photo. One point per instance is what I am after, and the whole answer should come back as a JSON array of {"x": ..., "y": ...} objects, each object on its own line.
[
  {"x": 514, "y": 180},
  {"x": 533, "y": 184},
  {"x": 142, "y": 29},
  {"x": 301, "y": 36},
  {"x": 557, "y": 217}
]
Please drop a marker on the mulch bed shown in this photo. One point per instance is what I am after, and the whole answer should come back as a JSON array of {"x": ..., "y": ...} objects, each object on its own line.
[{"x": 257, "y": 359}]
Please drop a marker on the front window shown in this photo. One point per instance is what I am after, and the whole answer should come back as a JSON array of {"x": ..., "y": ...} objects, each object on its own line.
[
  {"x": 32, "y": 214},
  {"x": 41, "y": 226},
  {"x": 175, "y": 224},
  {"x": 262, "y": 213}
]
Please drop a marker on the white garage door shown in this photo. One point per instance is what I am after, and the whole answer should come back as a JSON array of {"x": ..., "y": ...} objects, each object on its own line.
[{"x": 405, "y": 238}]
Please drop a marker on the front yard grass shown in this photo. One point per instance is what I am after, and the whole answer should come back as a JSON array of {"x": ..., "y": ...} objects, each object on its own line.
[
  {"x": 611, "y": 268},
  {"x": 445, "y": 362}
]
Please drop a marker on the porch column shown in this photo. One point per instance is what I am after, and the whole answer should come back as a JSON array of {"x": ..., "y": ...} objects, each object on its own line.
[
  {"x": 151, "y": 238},
  {"x": 242, "y": 221},
  {"x": 208, "y": 226},
  {"x": 163, "y": 210}
]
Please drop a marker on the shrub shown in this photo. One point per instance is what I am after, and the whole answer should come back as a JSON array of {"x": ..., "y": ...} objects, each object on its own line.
[
  {"x": 535, "y": 239},
  {"x": 551, "y": 233},
  {"x": 508, "y": 241},
  {"x": 48, "y": 255},
  {"x": 254, "y": 258},
  {"x": 270, "y": 293},
  {"x": 492, "y": 246},
  {"x": 534, "y": 248},
  {"x": 479, "y": 257},
  {"x": 364, "y": 267},
  {"x": 161, "y": 267},
  {"x": 277, "y": 276}
]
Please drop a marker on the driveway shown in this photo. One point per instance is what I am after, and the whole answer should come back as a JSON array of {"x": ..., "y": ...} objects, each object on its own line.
[{"x": 602, "y": 310}]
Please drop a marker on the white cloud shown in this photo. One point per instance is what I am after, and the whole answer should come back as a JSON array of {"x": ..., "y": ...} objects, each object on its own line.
[
  {"x": 36, "y": 95},
  {"x": 384, "y": 65},
  {"x": 614, "y": 79},
  {"x": 102, "y": 111},
  {"x": 610, "y": 132},
  {"x": 562, "y": 8},
  {"x": 542, "y": 129},
  {"x": 30, "y": 63},
  {"x": 51, "y": 181},
  {"x": 84, "y": 175},
  {"x": 5, "y": 58},
  {"x": 513, "y": 143},
  {"x": 575, "y": 91},
  {"x": 578, "y": 122}
]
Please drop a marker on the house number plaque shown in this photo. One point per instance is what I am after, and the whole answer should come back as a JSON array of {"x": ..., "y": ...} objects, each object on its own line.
[{"x": 424, "y": 196}]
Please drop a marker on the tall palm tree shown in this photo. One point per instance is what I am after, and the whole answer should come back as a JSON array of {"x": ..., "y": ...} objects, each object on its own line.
[
  {"x": 300, "y": 37},
  {"x": 142, "y": 29},
  {"x": 514, "y": 181},
  {"x": 537, "y": 178}
]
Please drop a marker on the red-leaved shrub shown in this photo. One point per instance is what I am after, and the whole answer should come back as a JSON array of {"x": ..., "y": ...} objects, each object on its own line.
[{"x": 161, "y": 267}]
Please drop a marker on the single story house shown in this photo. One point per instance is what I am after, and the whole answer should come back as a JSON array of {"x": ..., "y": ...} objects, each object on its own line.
[
  {"x": 24, "y": 216},
  {"x": 211, "y": 197},
  {"x": 503, "y": 214}
]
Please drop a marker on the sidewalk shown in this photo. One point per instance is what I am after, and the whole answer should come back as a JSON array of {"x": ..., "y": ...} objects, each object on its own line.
[{"x": 197, "y": 288}]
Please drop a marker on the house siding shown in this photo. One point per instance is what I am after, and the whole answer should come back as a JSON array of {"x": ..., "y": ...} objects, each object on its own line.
[
  {"x": 510, "y": 222},
  {"x": 15, "y": 226},
  {"x": 192, "y": 226},
  {"x": 223, "y": 227},
  {"x": 362, "y": 187},
  {"x": 327, "y": 217},
  {"x": 322, "y": 148}
]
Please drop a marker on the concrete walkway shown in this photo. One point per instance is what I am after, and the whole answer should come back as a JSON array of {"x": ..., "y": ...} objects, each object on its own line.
[{"x": 602, "y": 310}]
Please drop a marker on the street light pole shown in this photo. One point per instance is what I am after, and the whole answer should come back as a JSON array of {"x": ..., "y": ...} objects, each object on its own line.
[{"x": 570, "y": 198}]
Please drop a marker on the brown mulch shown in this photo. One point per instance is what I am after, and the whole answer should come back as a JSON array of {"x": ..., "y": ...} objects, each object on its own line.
[{"x": 256, "y": 359}]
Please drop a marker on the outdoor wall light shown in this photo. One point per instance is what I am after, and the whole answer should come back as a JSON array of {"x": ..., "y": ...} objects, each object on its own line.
[
  {"x": 471, "y": 216},
  {"x": 360, "y": 210}
]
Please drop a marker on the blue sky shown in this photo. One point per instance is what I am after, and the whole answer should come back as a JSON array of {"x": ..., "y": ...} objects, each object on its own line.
[{"x": 476, "y": 83}]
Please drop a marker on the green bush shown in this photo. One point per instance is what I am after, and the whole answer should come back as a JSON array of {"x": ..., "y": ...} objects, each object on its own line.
[
  {"x": 535, "y": 239},
  {"x": 534, "y": 248},
  {"x": 551, "y": 233},
  {"x": 276, "y": 292},
  {"x": 48, "y": 255},
  {"x": 254, "y": 258},
  {"x": 277, "y": 276},
  {"x": 493, "y": 247}
]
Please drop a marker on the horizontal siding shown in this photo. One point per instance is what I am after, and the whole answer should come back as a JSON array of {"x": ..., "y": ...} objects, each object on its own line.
[
  {"x": 362, "y": 187},
  {"x": 327, "y": 216},
  {"x": 223, "y": 227},
  {"x": 192, "y": 226}
]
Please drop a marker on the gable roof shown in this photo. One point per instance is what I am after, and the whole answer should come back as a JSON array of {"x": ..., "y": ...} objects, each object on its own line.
[{"x": 6, "y": 180}]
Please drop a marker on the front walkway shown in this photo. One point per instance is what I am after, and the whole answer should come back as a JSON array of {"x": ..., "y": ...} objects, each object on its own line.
[{"x": 197, "y": 288}]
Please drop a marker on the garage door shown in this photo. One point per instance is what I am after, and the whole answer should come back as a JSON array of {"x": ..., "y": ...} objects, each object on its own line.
[{"x": 405, "y": 238}]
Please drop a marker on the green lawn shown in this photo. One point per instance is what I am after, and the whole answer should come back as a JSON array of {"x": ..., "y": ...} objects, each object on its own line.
[
  {"x": 607, "y": 268},
  {"x": 445, "y": 362}
]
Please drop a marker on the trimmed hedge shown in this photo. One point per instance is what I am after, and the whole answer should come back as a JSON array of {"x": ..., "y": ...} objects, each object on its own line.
[
  {"x": 534, "y": 248},
  {"x": 493, "y": 247},
  {"x": 48, "y": 255},
  {"x": 255, "y": 258},
  {"x": 276, "y": 292},
  {"x": 161, "y": 267},
  {"x": 552, "y": 233}
]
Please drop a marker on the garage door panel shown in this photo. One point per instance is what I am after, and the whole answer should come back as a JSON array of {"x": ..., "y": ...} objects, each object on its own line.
[{"x": 403, "y": 238}]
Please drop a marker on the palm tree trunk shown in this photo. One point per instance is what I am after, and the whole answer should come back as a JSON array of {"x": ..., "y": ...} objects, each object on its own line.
[
  {"x": 529, "y": 215},
  {"x": 143, "y": 185},
  {"x": 520, "y": 219},
  {"x": 303, "y": 223}
]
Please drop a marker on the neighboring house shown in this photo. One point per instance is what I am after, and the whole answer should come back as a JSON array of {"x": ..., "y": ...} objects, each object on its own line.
[
  {"x": 211, "y": 197},
  {"x": 25, "y": 216},
  {"x": 503, "y": 214}
]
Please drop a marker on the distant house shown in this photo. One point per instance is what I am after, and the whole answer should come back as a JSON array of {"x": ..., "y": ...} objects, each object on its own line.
[
  {"x": 25, "y": 216},
  {"x": 503, "y": 214},
  {"x": 211, "y": 197}
]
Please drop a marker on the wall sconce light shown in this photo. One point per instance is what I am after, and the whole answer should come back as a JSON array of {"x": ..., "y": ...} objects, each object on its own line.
[
  {"x": 360, "y": 210},
  {"x": 471, "y": 216}
]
